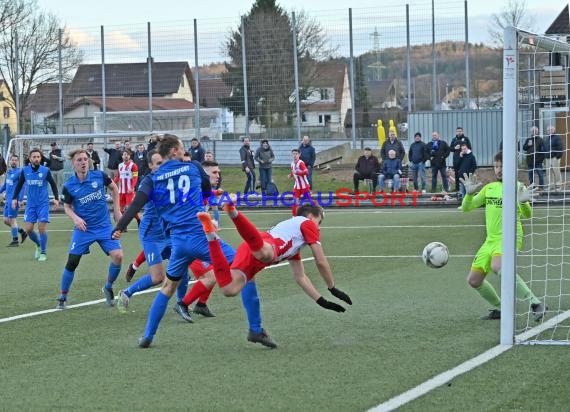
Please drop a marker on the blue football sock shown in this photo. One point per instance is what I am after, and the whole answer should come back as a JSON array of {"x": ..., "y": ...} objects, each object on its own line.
[
  {"x": 216, "y": 214},
  {"x": 252, "y": 306},
  {"x": 113, "y": 274},
  {"x": 34, "y": 237},
  {"x": 14, "y": 231},
  {"x": 182, "y": 287},
  {"x": 155, "y": 314},
  {"x": 66, "y": 280},
  {"x": 43, "y": 241},
  {"x": 143, "y": 283}
]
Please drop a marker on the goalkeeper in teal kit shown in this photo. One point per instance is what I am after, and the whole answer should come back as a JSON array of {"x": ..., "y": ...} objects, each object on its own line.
[{"x": 488, "y": 257}]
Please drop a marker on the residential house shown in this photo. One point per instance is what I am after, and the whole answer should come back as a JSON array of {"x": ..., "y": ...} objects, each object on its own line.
[
  {"x": 8, "y": 117},
  {"x": 42, "y": 103},
  {"x": 328, "y": 98},
  {"x": 211, "y": 90}
]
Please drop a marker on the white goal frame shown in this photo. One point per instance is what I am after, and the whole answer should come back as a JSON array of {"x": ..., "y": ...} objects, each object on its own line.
[{"x": 513, "y": 37}]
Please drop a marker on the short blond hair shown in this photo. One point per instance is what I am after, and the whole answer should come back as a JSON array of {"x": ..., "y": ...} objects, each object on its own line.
[{"x": 75, "y": 152}]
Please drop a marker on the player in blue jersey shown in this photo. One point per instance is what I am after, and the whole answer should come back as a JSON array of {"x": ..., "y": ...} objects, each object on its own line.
[
  {"x": 176, "y": 190},
  {"x": 155, "y": 243},
  {"x": 84, "y": 202},
  {"x": 36, "y": 177},
  {"x": 10, "y": 213}
]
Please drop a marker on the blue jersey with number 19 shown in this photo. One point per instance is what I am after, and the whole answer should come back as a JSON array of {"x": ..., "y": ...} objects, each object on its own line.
[{"x": 175, "y": 189}]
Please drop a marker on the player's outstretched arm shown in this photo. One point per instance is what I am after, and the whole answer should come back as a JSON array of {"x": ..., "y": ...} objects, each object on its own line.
[
  {"x": 326, "y": 272},
  {"x": 141, "y": 198},
  {"x": 302, "y": 280}
]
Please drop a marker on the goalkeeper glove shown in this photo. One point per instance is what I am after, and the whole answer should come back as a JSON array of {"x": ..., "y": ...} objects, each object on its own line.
[
  {"x": 337, "y": 293},
  {"x": 470, "y": 183},
  {"x": 527, "y": 194},
  {"x": 329, "y": 305}
]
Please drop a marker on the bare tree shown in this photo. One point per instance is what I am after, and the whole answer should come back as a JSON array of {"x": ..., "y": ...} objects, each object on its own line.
[
  {"x": 514, "y": 14},
  {"x": 34, "y": 37}
]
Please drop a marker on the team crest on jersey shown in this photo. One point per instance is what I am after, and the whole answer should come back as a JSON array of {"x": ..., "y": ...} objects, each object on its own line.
[
  {"x": 40, "y": 174},
  {"x": 94, "y": 185}
]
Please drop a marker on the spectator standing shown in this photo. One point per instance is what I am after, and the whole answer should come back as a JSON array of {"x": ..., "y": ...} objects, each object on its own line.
[
  {"x": 94, "y": 159},
  {"x": 455, "y": 147},
  {"x": 247, "y": 165},
  {"x": 265, "y": 157},
  {"x": 534, "y": 149},
  {"x": 554, "y": 149},
  {"x": 392, "y": 143},
  {"x": 438, "y": 152},
  {"x": 391, "y": 169},
  {"x": 418, "y": 155},
  {"x": 467, "y": 164},
  {"x": 140, "y": 159},
  {"x": 309, "y": 157},
  {"x": 197, "y": 151},
  {"x": 367, "y": 167},
  {"x": 152, "y": 142},
  {"x": 115, "y": 157},
  {"x": 55, "y": 162}
]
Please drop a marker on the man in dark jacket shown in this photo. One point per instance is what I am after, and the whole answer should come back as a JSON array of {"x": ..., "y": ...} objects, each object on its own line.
[
  {"x": 455, "y": 147},
  {"x": 367, "y": 167},
  {"x": 438, "y": 152},
  {"x": 247, "y": 165},
  {"x": 115, "y": 157},
  {"x": 467, "y": 165},
  {"x": 534, "y": 149},
  {"x": 418, "y": 155},
  {"x": 140, "y": 159},
  {"x": 554, "y": 149},
  {"x": 264, "y": 155},
  {"x": 94, "y": 159},
  {"x": 308, "y": 156},
  {"x": 392, "y": 143},
  {"x": 197, "y": 151},
  {"x": 56, "y": 161}
]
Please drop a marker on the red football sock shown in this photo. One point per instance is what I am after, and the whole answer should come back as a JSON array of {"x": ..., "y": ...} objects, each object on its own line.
[
  {"x": 248, "y": 232},
  {"x": 141, "y": 258},
  {"x": 194, "y": 293},
  {"x": 294, "y": 210},
  {"x": 221, "y": 266},
  {"x": 205, "y": 295}
]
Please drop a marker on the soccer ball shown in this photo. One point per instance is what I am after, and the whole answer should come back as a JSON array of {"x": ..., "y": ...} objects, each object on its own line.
[{"x": 435, "y": 255}]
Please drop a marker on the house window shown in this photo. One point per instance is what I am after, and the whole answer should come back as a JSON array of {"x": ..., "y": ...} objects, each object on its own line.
[
  {"x": 320, "y": 119},
  {"x": 327, "y": 119},
  {"x": 324, "y": 119},
  {"x": 6, "y": 112},
  {"x": 324, "y": 94},
  {"x": 303, "y": 117}
]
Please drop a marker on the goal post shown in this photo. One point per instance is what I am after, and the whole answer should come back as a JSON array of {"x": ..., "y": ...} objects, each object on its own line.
[{"x": 535, "y": 95}]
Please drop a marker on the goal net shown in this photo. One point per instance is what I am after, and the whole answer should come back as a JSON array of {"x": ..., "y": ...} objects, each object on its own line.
[{"x": 536, "y": 128}]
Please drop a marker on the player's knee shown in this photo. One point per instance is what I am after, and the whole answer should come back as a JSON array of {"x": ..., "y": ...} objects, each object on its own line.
[
  {"x": 474, "y": 281},
  {"x": 72, "y": 262}
]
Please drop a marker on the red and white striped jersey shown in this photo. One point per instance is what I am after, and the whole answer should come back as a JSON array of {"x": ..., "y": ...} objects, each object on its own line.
[
  {"x": 127, "y": 177},
  {"x": 300, "y": 173},
  {"x": 291, "y": 235}
]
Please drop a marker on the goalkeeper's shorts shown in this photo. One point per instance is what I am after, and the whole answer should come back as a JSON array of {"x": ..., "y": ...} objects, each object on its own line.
[{"x": 482, "y": 260}]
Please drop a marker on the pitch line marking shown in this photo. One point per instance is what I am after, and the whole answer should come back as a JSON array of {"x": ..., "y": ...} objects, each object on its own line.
[
  {"x": 97, "y": 301},
  {"x": 448, "y": 375}
]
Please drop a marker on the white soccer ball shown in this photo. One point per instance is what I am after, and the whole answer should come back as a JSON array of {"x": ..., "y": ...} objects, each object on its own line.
[{"x": 435, "y": 255}]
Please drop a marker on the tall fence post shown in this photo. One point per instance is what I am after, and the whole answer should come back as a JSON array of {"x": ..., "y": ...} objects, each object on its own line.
[
  {"x": 103, "y": 82},
  {"x": 60, "y": 72},
  {"x": 244, "y": 65},
  {"x": 434, "y": 63},
  {"x": 149, "y": 61},
  {"x": 16, "y": 78},
  {"x": 408, "y": 59},
  {"x": 467, "y": 82},
  {"x": 197, "y": 82},
  {"x": 352, "y": 89},
  {"x": 296, "y": 70}
]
